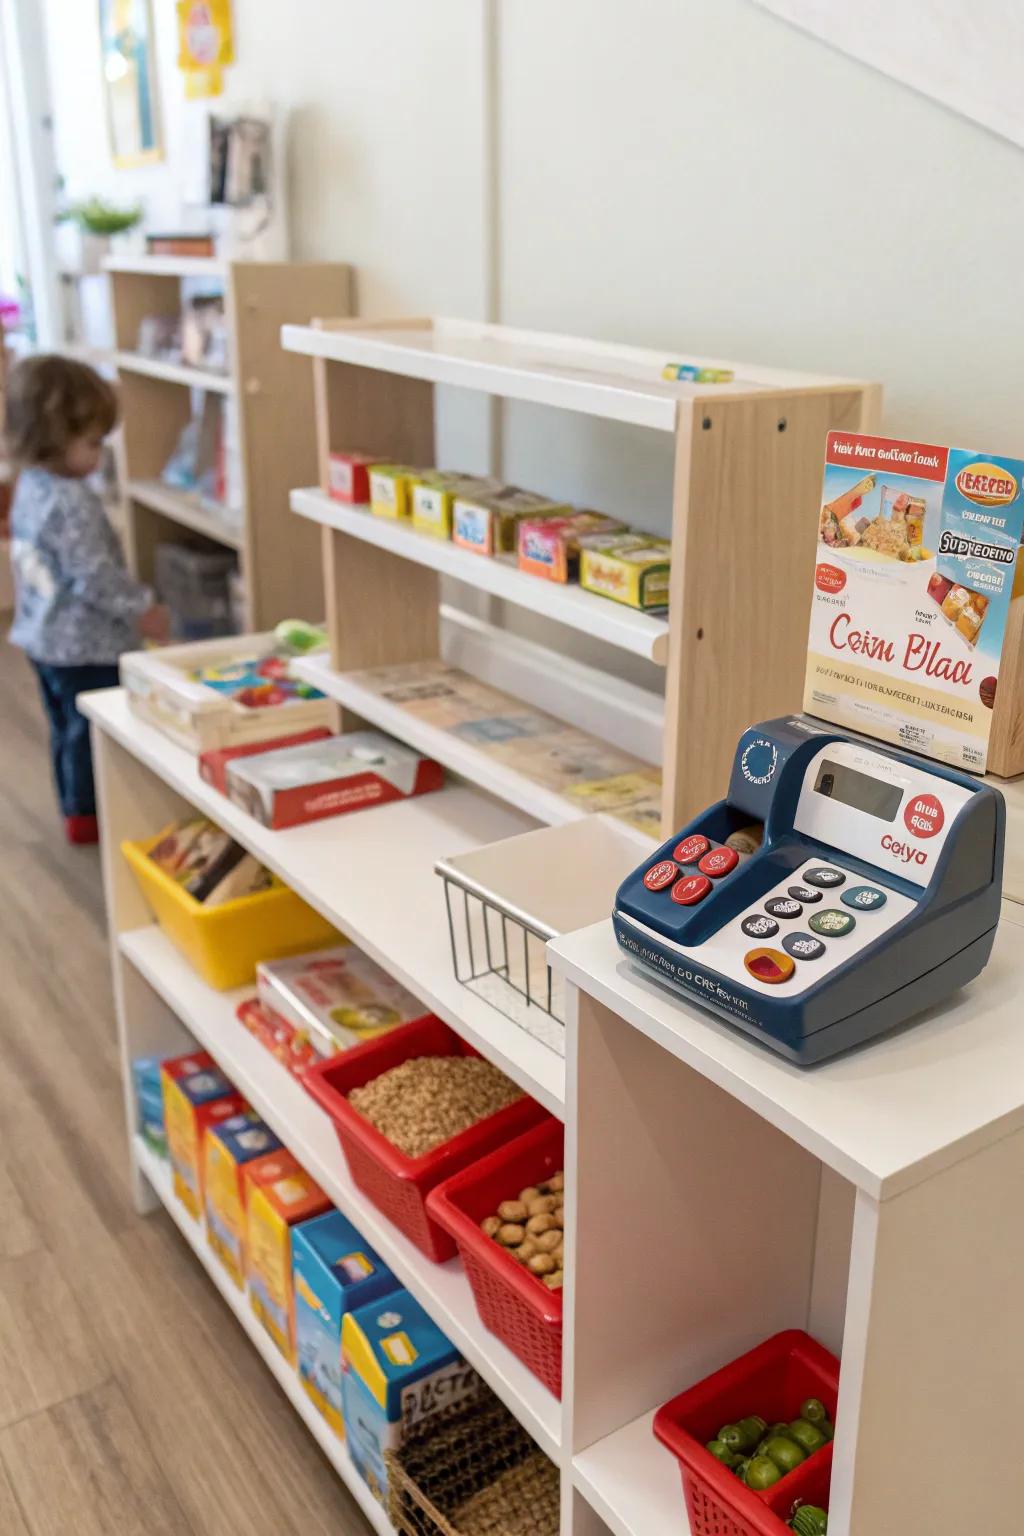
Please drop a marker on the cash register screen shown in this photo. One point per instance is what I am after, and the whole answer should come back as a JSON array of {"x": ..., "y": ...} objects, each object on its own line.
[{"x": 872, "y": 796}]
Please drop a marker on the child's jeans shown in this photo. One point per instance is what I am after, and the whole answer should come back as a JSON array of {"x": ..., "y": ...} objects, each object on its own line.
[{"x": 70, "y": 751}]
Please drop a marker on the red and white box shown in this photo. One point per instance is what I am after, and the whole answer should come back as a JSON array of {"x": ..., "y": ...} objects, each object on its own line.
[
  {"x": 348, "y": 477},
  {"x": 213, "y": 766},
  {"x": 329, "y": 778}
]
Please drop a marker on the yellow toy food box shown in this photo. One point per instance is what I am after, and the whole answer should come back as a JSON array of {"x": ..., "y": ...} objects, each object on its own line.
[
  {"x": 390, "y": 490},
  {"x": 196, "y": 1096},
  {"x": 228, "y": 1147},
  {"x": 279, "y": 1193},
  {"x": 433, "y": 499},
  {"x": 630, "y": 568},
  {"x": 486, "y": 522}
]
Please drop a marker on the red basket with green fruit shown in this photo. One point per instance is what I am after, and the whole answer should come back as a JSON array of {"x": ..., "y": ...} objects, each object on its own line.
[
  {"x": 754, "y": 1441},
  {"x": 517, "y": 1293},
  {"x": 396, "y": 1182}
]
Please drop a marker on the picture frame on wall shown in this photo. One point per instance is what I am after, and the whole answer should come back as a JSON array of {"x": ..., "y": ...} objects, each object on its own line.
[{"x": 128, "y": 53}]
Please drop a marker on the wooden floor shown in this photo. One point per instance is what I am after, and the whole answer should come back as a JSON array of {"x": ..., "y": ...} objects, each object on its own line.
[{"x": 131, "y": 1404}]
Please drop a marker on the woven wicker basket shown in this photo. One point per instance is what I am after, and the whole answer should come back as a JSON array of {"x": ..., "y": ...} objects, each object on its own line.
[{"x": 473, "y": 1472}]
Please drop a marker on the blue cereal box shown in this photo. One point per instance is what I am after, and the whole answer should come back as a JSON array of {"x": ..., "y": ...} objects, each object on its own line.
[
  {"x": 226, "y": 1149},
  {"x": 334, "y": 1271},
  {"x": 149, "y": 1102},
  {"x": 398, "y": 1370}
]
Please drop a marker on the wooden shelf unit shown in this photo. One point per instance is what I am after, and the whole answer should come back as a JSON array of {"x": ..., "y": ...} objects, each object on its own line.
[
  {"x": 748, "y": 459},
  {"x": 273, "y": 398}
]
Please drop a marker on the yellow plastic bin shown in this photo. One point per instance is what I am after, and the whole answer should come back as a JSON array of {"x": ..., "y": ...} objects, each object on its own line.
[{"x": 226, "y": 942}]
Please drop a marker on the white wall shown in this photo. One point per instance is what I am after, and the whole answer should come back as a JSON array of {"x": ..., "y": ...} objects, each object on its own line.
[{"x": 674, "y": 172}]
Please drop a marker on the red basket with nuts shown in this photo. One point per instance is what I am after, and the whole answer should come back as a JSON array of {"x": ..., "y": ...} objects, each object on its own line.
[
  {"x": 411, "y": 1108},
  {"x": 505, "y": 1213},
  {"x": 787, "y": 1387}
]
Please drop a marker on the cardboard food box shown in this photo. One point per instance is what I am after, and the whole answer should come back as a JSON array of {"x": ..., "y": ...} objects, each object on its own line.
[
  {"x": 196, "y": 1096},
  {"x": 333, "y": 1271},
  {"x": 279, "y": 1193},
  {"x": 149, "y": 1103},
  {"x": 221, "y": 693},
  {"x": 339, "y": 997},
  {"x": 630, "y": 568},
  {"x": 292, "y": 1047},
  {"x": 329, "y": 778},
  {"x": 213, "y": 766},
  {"x": 433, "y": 499},
  {"x": 550, "y": 546},
  {"x": 486, "y": 522},
  {"x": 390, "y": 487},
  {"x": 227, "y": 1148},
  {"x": 348, "y": 477},
  {"x": 398, "y": 1370}
]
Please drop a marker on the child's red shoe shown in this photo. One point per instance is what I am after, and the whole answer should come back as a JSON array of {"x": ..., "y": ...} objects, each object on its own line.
[{"x": 81, "y": 829}]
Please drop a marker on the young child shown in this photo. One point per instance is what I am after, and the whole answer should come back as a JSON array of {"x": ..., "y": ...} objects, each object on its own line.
[{"x": 76, "y": 607}]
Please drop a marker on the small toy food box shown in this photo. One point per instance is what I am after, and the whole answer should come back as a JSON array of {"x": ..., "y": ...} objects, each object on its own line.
[
  {"x": 149, "y": 1103},
  {"x": 327, "y": 778},
  {"x": 390, "y": 490},
  {"x": 197, "y": 1096},
  {"x": 333, "y": 1272},
  {"x": 550, "y": 546},
  {"x": 348, "y": 477},
  {"x": 398, "y": 1370},
  {"x": 628, "y": 567},
  {"x": 486, "y": 522},
  {"x": 227, "y": 1148},
  {"x": 339, "y": 997},
  {"x": 221, "y": 693},
  {"x": 279, "y": 1193},
  {"x": 433, "y": 499}
]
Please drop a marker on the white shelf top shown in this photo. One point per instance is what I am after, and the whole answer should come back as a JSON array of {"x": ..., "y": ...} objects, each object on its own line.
[
  {"x": 345, "y": 867},
  {"x": 158, "y": 1174},
  {"x": 288, "y": 1109},
  {"x": 168, "y": 266},
  {"x": 567, "y": 603},
  {"x": 596, "y": 378},
  {"x": 633, "y": 1482},
  {"x": 186, "y": 509},
  {"x": 174, "y": 373},
  {"x": 886, "y": 1116}
]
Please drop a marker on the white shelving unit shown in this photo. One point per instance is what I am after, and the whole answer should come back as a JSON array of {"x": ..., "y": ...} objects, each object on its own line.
[
  {"x": 168, "y": 266},
  {"x": 186, "y": 509},
  {"x": 173, "y": 373},
  {"x": 626, "y": 628},
  {"x": 157, "y": 1174}
]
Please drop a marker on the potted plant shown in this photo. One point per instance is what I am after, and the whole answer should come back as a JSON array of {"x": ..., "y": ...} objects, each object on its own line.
[{"x": 95, "y": 223}]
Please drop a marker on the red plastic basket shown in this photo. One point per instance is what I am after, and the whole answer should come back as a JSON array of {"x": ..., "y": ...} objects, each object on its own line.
[
  {"x": 398, "y": 1185},
  {"x": 512, "y": 1303},
  {"x": 772, "y": 1380}
]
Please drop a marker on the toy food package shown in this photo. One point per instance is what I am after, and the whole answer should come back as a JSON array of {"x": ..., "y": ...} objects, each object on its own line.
[
  {"x": 486, "y": 522},
  {"x": 213, "y": 765},
  {"x": 149, "y": 1103},
  {"x": 329, "y": 778},
  {"x": 390, "y": 487},
  {"x": 348, "y": 477},
  {"x": 208, "y": 863},
  {"x": 631, "y": 568},
  {"x": 258, "y": 682},
  {"x": 227, "y": 1148},
  {"x": 292, "y": 1047},
  {"x": 433, "y": 499},
  {"x": 398, "y": 1370},
  {"x": 550, "y": 546},
  {"x": 333, "y": 1272},
  {"x": 917, "y": 566},
  {"x": 196, "y": 1097},
  {"x": 279, "y": 1193},
  {"x": 338, "y": 997}
]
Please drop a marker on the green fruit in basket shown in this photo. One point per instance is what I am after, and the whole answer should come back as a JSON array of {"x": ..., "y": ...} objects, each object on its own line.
[
  {"x": 786, "y": 1454},
  {"x": 814, "y": 1411},
  {"x": 740, "y": 1469},
  {"x": 753, "y": 1426},
  {"x": 809, "y": 1520},
  {"x": 762, "y": 1473},
  {"x": 733, "y": 1438},
  {"x": 807, "y": 1436},
  {"x": 722, "y": 1453}
]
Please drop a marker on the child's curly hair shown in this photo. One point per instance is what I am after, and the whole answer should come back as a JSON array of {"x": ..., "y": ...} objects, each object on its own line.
[{"x": 51, "y": 400}]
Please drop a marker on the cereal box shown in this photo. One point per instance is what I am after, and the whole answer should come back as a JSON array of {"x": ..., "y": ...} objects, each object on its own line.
[
  {"x": 196, "y": 1096},
  {"x": 333, "y": 1271},
  {"x": 390, "y": 490},
  {"x": 398, "y": 1370},
  {"x": 433, "y": 499},
  {"x": 227, "y": 1148},
  {"x": 279, "y": 1193},
  {"x": 339, "y": 996},
  {"x": 916, "y": 566},
  {"x": 628, "y": 567},
  {"x": 485, "y": 522},
  {"x": 550, "y": 546}
]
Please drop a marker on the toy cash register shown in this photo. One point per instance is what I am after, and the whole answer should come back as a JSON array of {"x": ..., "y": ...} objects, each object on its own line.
[{"x": 874, "y": 893}]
